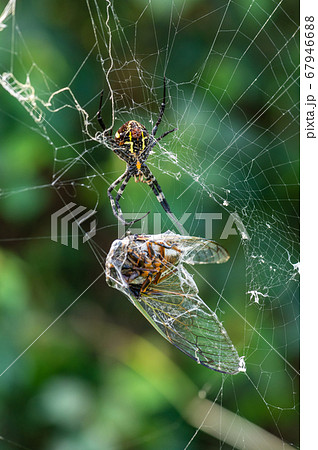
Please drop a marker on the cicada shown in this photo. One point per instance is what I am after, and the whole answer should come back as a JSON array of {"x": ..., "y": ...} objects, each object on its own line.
[{"x": 150, "y": 270}]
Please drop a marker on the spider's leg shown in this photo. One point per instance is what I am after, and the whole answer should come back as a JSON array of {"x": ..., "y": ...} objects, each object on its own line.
[
  {"x": 153, "y": 142},
  {"x": 120, "y": 193},
  {"x": 162, "y": 109},
  {"x": 99, "y": 113},
  {"x": 153, "y": 183},
  {"x": 115, "y": 203},
  {"x": 99, "y": 116},
  {"x": 109, "y": 191},
  {"x": 165, "y": 134},
  {"x": 121, "y": 190}
]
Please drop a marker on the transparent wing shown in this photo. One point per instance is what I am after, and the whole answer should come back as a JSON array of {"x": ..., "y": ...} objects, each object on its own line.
[
  {"x": 202, "y": 251},
  {"x": 195, "y": 250},
  {"x": 171, "y": 303},
  {"x": 181, "y": 317}
]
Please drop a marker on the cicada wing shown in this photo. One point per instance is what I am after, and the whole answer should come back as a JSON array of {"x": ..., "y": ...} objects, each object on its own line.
[
  {"x": 171, "y": 302},
  {"x": 180, "y": 316},
  {"x": 195, "y": 250},
  {"x": 203, "y": 251}
]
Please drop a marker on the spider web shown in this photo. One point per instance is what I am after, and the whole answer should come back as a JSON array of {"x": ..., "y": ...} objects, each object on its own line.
[{"x": 229, "y": 171}]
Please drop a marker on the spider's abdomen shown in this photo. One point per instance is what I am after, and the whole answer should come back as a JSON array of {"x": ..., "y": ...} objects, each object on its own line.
[{"x": 133, "y": 136}]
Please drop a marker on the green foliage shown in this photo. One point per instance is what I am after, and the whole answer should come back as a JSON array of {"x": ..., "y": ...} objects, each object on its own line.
[{"x": 100, "y": 377}]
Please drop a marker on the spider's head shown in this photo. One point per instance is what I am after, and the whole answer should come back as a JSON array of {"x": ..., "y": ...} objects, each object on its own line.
[{"x": 133, "y": 136}]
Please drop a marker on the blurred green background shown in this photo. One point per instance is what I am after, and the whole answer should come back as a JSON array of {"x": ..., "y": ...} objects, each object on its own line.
[{"x": 100, "y": 377}]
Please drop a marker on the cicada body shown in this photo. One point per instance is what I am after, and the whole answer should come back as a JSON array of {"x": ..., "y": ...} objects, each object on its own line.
[{"x": 149, "y": 270}]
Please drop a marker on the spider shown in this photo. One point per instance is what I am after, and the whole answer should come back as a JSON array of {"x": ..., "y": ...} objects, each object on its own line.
[{"x": 132, "y": 143}]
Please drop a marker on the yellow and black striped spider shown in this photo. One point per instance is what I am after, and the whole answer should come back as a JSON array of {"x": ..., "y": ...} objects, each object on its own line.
[{"x": 132, "y": 143}]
